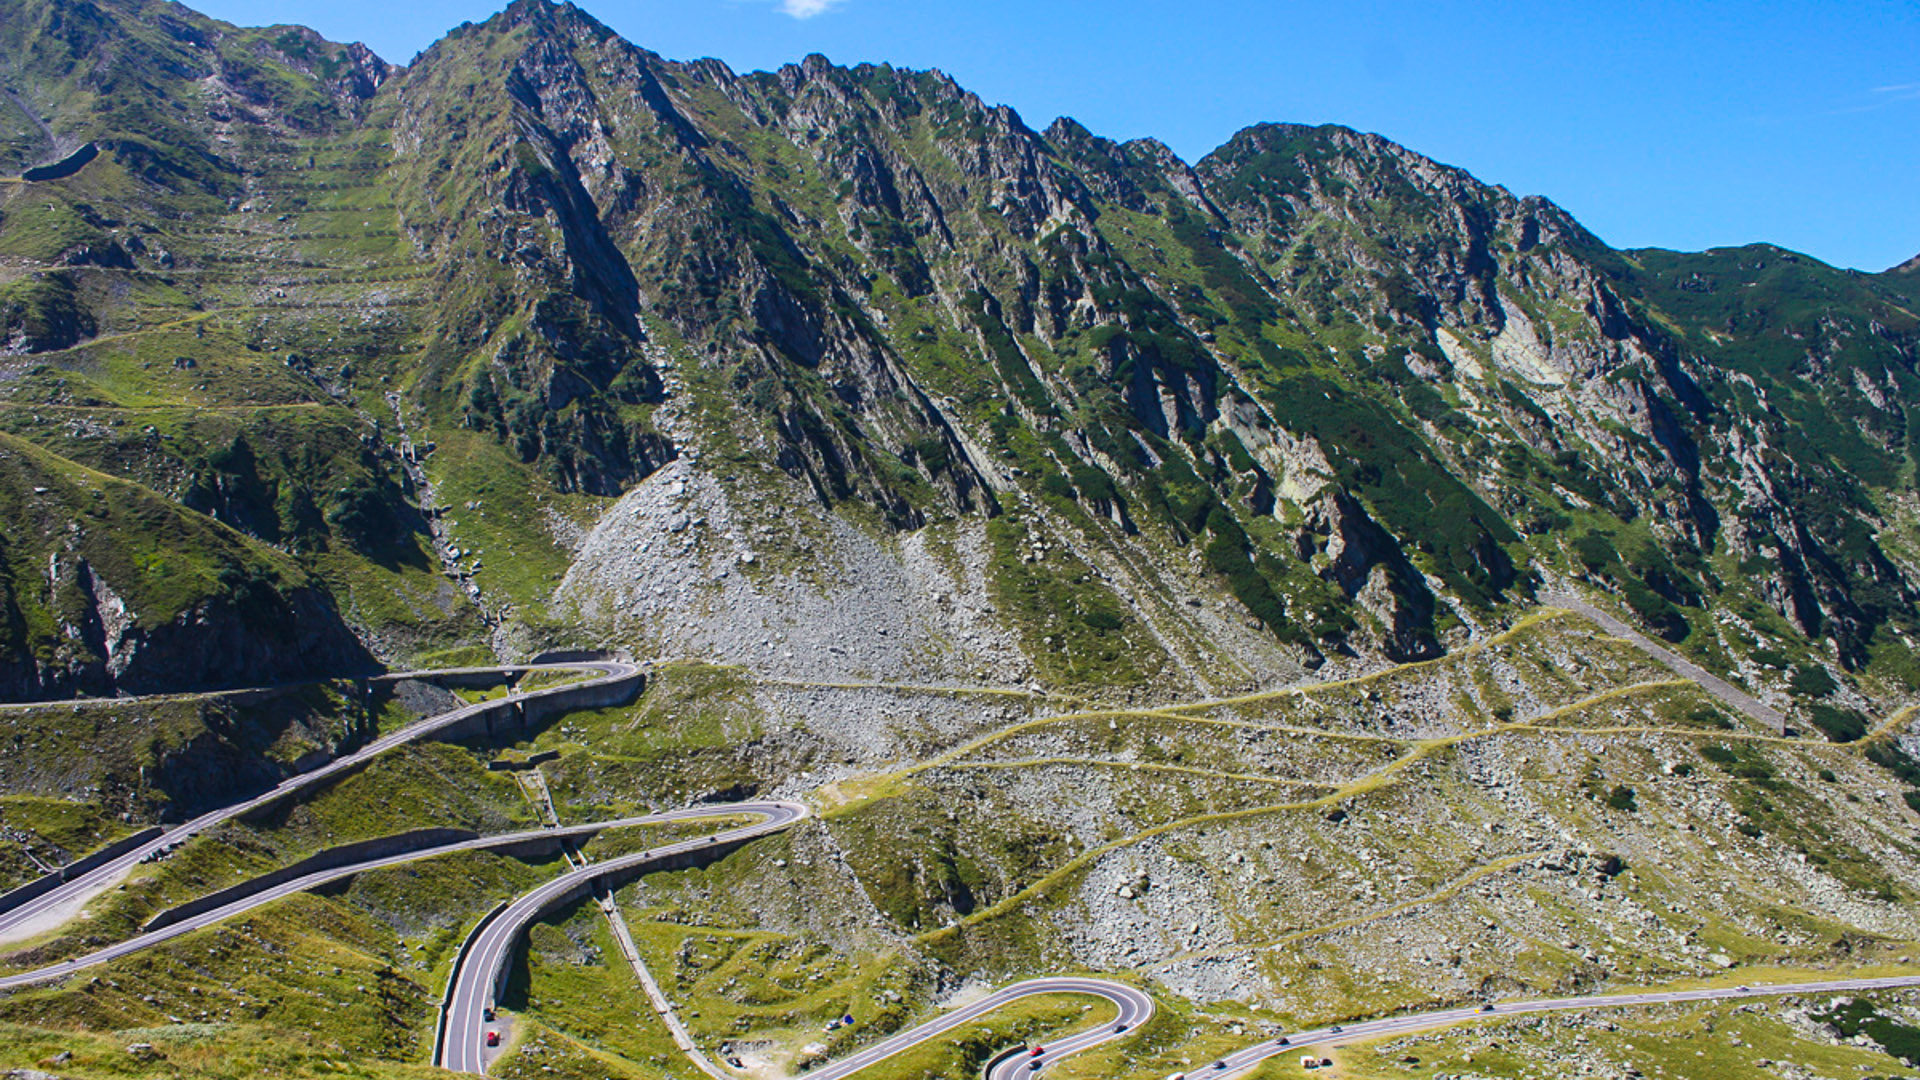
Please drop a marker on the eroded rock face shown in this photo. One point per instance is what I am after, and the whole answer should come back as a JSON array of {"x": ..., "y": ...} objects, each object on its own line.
[{"x": 263, "y": 639}]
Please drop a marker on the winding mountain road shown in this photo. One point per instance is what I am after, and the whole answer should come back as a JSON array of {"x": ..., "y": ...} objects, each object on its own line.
[
  {"x": 23, "y": 920},
  {"x": 1244, "y": 1061},
  {"x": 322, "y": 877},
  {"x": 483, "y": 964},
  {"x": 1135, "y": 1008},
  {"x": 480, "y": 969}
]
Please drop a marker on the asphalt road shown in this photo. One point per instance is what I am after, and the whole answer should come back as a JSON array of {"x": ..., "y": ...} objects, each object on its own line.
[
  {"x": 1135, "y": 1009},
  {"x": 104, "y": 875},
  {"x": 322, "y": 877},
  {"x": 478, "y": 972},
  {"x": 1293, "y": 1042},
  {"x": 463, "y": 1037}
]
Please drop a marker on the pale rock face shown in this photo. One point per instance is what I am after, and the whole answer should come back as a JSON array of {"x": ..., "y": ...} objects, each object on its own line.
[
  {"x": 115, "y": 620},
  {"x": 1517, "y": 348},
  {"x": 1459, "y": 355},
  {"x": 1298, "y": 464}
]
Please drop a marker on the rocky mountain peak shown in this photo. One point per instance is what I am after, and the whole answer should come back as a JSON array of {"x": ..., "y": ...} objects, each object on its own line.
[{"x": 1365, "y": 390}]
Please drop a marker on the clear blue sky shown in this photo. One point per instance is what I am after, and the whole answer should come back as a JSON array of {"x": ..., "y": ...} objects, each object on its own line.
[{"x": 1683, "y": 125}]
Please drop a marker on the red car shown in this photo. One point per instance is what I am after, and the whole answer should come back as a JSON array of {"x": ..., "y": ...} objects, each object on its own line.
[
  {"x": 1037, "y": 1051},
  {"x": 493, "y": 1038}
]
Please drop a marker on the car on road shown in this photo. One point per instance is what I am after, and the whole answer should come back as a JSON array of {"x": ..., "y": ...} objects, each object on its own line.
[
  {"x": 1282, "y": 1041},
  {"x": 1219, "y": 1064},
  {"x": 487, "y": 1015},
  {"x": 1336, "y": 1029},
  {"x": 1119, "y": 1029},
  {"x": 1036, "y": 1051},
  {"x": 1487, "y": 1007}
]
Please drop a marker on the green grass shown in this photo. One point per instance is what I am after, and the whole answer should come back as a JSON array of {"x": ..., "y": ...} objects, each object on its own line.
[
  {"x": 676, "y": 742},
  {"x": 1075, "y": 629},
  {"x": 1698, "y": 1042}
]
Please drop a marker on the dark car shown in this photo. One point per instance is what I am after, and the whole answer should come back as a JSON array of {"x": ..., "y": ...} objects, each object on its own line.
[
  {"x": 493, "y": 1038},
  {"x": 1119, "y": 1028}
]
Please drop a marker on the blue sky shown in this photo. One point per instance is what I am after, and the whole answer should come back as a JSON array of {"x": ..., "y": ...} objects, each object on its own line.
[{"x": 1683, "y": 125}]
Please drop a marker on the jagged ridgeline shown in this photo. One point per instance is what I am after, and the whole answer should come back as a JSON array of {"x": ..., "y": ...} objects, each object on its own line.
[{"x": 310, "y": 335}]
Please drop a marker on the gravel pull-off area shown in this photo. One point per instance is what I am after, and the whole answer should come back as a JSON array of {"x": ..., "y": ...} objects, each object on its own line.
[{"x": 1732, "y": 695}]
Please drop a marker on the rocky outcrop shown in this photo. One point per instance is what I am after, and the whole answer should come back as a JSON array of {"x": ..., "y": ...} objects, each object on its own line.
[
  {"x": 217, "y": 644},
  {"x": 1353, "y": 552}
]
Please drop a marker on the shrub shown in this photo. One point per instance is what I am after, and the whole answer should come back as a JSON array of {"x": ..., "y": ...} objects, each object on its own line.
[
  {"x": 1707, "y": 716},
  {"x": 1812, "y": 680},
  {"x": 1718, "y": 754},
  {"x": 1840, "y": 725},
  {"x": 1596, "y": 551},
  {"x": 1622, "y": 798}
]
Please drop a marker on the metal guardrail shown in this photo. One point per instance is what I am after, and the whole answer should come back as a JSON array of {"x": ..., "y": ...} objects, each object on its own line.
[
  {"x": 46, "y": 883},
  {"x": 1001, "y": 1058},
  {"x": 453, "y": 975}
]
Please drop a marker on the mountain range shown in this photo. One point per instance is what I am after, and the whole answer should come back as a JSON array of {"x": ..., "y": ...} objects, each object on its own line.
[{"x": 313, "y": 366}]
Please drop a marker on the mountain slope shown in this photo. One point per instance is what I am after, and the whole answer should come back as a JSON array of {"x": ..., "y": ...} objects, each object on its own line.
[
  {"x": 1360, "y": 399},
  {"x": 1134, "y": 563}
]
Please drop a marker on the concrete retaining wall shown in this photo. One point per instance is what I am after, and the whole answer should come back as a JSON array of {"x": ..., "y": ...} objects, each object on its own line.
[
  {"x": 584, "y": 890},
  {"x": 344, "y": 855},
  {"x": 530, "y": 763},
  {"x": 572, "y": 656},
  {"x": 518, "y": 716},
  {"x": 998, "y": 1059},
  {"x": 45, "y": 884}
]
